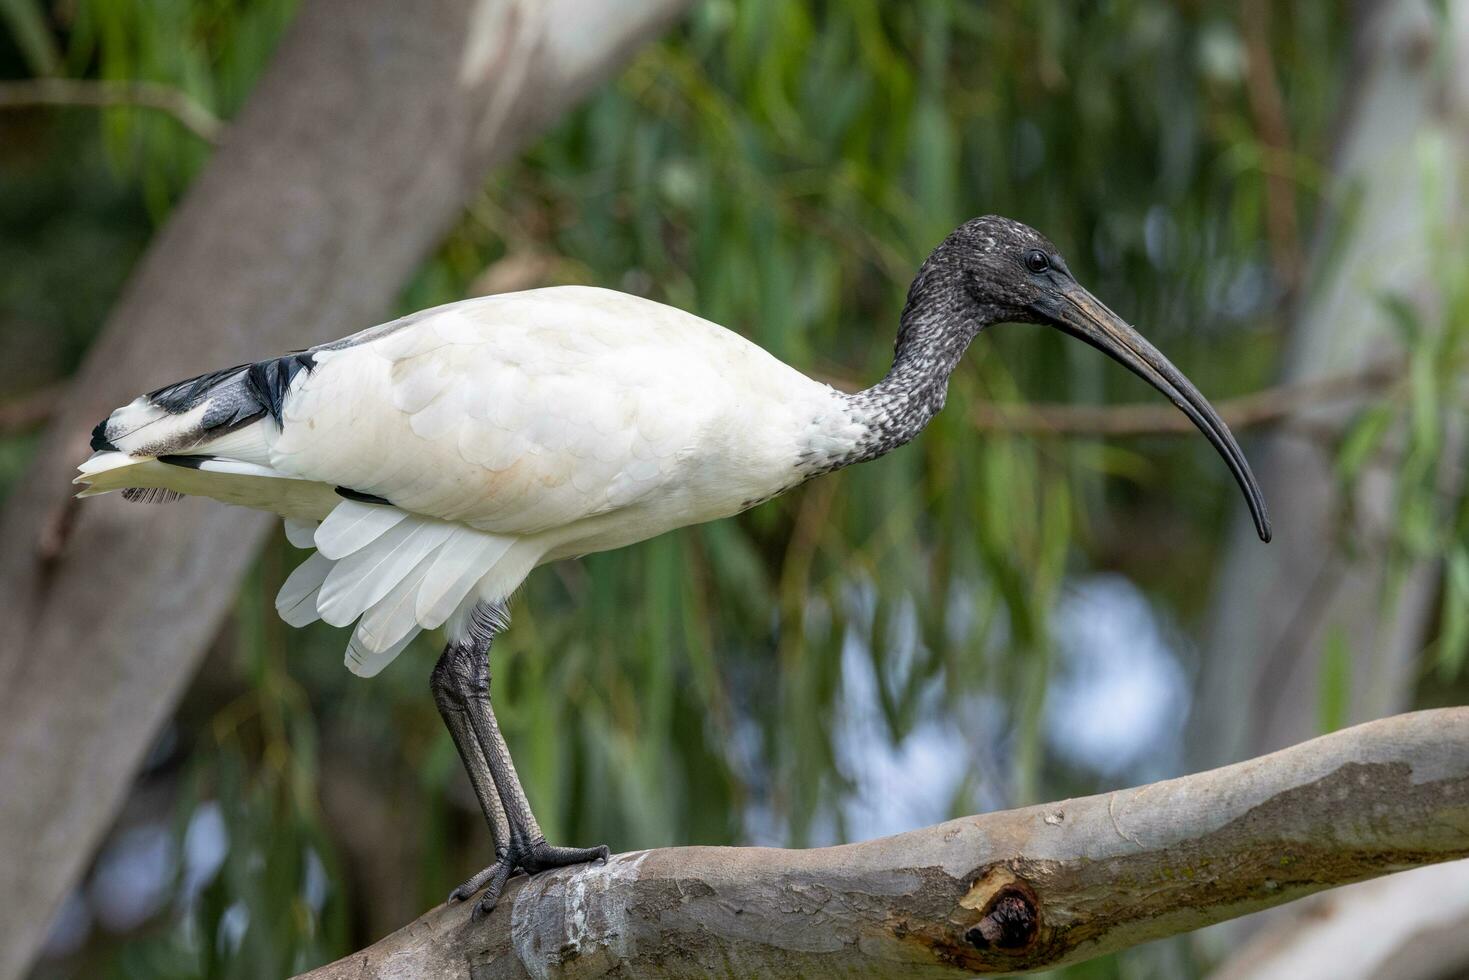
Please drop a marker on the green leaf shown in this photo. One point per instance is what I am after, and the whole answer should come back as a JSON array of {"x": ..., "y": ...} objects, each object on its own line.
[
  {"x": 31, "y": 34},
  {"x": 1424, "y": 398},
  {"x": 1402, "y": 316},
  {"x": 1454, "y": 641},
  {"x": 1334, "y": 686},
  {"x": 1362, "y": 439}
]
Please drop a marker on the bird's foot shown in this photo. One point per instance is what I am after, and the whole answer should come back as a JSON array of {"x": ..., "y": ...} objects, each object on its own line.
[{"x": 530, "y": 858}]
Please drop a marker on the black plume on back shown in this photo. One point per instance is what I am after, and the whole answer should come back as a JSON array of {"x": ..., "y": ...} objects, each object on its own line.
[{"x": 236, "y": 395}]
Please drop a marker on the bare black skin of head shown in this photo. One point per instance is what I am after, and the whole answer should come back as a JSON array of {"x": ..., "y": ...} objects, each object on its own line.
[{"x": 994, "y": 270}]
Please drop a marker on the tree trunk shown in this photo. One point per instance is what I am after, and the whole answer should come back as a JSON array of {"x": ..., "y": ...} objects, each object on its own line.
[
  {"x": 1408, "y": 927},
  {"x": 998, "y": 893},
  {"x": 374, "y": 124},
  {"x": 1277, "y": 606}
]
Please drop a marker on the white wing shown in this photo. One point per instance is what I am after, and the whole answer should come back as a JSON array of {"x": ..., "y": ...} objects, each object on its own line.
[
  {"x": 496, "y": 432},
  {"x": 515, "y": 414}
]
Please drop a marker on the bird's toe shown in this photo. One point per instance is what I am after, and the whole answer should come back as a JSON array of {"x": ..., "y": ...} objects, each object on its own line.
[
  {"x": 477, "y": 881},
  {"x": 498, "y": 874},
  {"x": 544, "y": 857},
  {"x": 527, "y": 858}
]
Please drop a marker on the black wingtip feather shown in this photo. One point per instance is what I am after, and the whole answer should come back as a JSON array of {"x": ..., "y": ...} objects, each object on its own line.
[
  {"x": 179, "y": 397},
  {"x": 241, "y": 394},
  {"x": 100, "y": 442},
  {"x": 270, "y": 380}
]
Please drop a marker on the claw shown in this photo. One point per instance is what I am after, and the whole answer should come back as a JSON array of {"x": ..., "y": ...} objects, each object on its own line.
[
  {"x": 499, "y": 874},
  {"x": 477, "y": 881},
  {"x": 530, "y": 859}
]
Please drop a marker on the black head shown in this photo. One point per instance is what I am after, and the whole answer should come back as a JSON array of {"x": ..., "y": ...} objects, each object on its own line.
[
  {"x": 1006, "y": 269},
  {"x": 995, "y": 270}
]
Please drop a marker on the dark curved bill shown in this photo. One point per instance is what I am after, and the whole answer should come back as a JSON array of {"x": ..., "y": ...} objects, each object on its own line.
[{"x": 1087, "y": 318}]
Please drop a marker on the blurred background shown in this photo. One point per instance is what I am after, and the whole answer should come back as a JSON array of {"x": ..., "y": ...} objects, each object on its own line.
[{"x": 1053, "y": 592}]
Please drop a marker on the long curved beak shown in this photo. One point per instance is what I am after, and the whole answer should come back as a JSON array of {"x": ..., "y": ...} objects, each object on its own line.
[{"x": 1087, "y": 318}]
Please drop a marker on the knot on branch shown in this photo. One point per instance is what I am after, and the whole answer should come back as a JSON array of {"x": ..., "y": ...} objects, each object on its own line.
[
  {"x": 1011, "y": 923},
  {"x": 1009, "y": 912}
]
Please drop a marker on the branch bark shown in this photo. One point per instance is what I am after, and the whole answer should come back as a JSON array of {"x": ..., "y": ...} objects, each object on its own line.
[
  {"x": 374, "y": 125},
  {"x": 997, "y": 893}
]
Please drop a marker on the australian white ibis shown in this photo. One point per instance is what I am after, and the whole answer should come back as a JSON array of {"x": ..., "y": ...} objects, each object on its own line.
[{"x": 433, "y": 461}]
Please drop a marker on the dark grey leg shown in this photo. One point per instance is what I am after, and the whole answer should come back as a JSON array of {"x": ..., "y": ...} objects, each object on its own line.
[
  {"x": 463, "y": 677},
  {"x": 453, "y": 708}
]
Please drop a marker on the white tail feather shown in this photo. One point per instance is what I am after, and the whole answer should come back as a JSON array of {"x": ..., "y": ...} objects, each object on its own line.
[
  {"x": 105, "y": 472},
  {"x": 101, "y": 462},
  {"x": 392, "y": 617},
  {"x": 366, "y": 663},
  {"x": 411, "y": 574},
  {"x": 232, "y": 481},
  {"x": 461, "y": 562},
  {"x": 362, "y": 578},
  {"x": 353, "y": 526},
  {"x": 296, "y": 601},
  {"x": 301, "y": 534}
]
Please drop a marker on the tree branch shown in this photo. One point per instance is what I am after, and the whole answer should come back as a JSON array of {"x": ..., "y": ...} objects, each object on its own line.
[
  {"x": 996, "y": 893},
  {"x": 1272, "y": 124},
  {"x": 1279, "y": 404},
  {"x": 1267, "y": 406},
  {"x": 1410, "y": 926},
  {"x": 103, "y": 94}
]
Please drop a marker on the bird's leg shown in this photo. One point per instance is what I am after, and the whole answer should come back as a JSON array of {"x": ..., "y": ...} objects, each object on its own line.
[
  {"x": 464, "y": 675},
  {"x": 460, "y": 659}
]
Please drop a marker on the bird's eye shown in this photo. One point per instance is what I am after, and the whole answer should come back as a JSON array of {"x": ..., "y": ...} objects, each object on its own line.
[{"x": 1036, "y": 261}]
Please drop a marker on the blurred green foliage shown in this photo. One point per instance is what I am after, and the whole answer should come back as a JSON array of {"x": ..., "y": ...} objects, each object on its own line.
[{"x": 781, "y": 168}]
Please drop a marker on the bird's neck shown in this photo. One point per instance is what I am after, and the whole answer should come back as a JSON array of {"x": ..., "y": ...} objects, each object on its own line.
[
  {"x": 934, "y": 333},
  {"x": 897, "y": 408}
]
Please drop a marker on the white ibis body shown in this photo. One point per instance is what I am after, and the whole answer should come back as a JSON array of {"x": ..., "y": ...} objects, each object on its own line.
[{"x": 434, "y": 461}]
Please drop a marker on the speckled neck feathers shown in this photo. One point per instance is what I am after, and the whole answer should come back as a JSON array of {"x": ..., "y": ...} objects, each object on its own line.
[{"x": 937, "y": 325}]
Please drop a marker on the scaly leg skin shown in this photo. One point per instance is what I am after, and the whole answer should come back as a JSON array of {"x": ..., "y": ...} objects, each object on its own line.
[
  {"x": 452, "y": 709},
  {"x": 461, "y": 685}
]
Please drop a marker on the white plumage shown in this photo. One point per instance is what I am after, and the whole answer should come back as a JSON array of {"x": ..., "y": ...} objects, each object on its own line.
[
  {"x": 353, "y": 526},
  {"x": 434, "y": 461},
  {"x": 505, "y": 431},
  {"x": 296, "y": 601}
]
